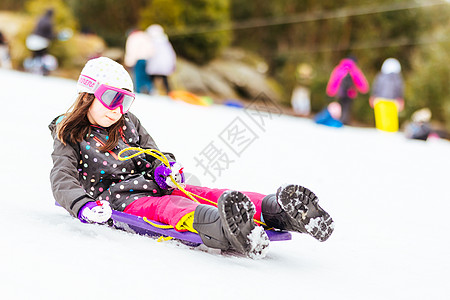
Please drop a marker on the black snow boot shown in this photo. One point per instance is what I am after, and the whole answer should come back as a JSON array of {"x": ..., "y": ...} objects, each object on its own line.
[
  {"x": 209, "y": 226},
  {"x": 231, "y": 225},
  {"x": 273, "y": 215},
  {"x": 295, "y": 208},
  {"x": 237, "y": 211}
]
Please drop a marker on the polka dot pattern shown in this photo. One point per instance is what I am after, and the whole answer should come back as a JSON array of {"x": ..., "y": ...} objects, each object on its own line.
[{"x": 104, "y": 177}]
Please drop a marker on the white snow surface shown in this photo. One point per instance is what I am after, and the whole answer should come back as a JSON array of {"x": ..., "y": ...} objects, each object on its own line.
[{"x": 389, "y": 198}]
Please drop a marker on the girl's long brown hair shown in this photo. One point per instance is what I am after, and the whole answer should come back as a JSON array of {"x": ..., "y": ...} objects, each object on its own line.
[{"x": 75, "y": 125}]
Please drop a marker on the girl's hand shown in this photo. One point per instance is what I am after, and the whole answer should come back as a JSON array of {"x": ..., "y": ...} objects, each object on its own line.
[
  {"x": 95, "y": 212},
  {"x": 162, "y": 175}
]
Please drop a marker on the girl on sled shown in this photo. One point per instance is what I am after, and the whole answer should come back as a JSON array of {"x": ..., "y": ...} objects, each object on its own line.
[{"x": 89, "y": 179}]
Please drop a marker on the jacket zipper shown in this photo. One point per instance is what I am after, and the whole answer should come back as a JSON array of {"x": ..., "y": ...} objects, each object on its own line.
[{"x": 103, "y": 144}]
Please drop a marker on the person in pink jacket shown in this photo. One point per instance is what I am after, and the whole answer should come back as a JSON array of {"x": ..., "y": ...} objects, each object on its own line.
[
  {"x": 89, "y": 179},
  {"x": 346, "y": 80}
]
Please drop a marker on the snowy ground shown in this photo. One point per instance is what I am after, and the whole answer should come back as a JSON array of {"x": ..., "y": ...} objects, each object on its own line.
[{"x": 388, "y": 196}]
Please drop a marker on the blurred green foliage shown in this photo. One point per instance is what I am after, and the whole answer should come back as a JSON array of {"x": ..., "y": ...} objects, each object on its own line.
[
  {"x": 110, "y": 19},
  {"x": 321, "y": 33},
  {"x": 63, "y": 17},
  {"x": 417, "y": 37},
  {"x": 285, "y": 33},
  {"x": 14, "y": 5},
  {"x": 429, "y": 82},
  {"x": 176, "y": 16}
]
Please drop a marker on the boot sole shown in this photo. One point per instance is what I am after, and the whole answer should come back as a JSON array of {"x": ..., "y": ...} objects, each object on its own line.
[
  {"x": 236, "y": 212},
  {"x": 303, "y": 212}
]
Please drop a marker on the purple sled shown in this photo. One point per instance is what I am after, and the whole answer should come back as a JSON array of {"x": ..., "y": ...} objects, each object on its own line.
[{"x": 135, "y": 224}]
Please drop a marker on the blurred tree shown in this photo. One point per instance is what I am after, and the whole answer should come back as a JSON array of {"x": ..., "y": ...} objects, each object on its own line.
[
  {"x": 177, "y": 16},
  {"x": 428, "y": 84},
  {"x": 110, "y": 19},
  {"x": 63, "y": 17},
  {"x": 288, "y": 32},
  {"x": 14, "y": 5}
]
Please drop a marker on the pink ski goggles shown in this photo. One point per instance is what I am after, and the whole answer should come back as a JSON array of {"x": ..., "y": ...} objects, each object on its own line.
[{"x": 109, "y": 96}]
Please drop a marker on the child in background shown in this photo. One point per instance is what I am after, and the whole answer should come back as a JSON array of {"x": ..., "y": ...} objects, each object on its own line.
[
  {"x": 89, "y": 180},
  {"x": 301, "y": 96},
  {"x": 388, "y": 84},
  {"x": 387, "y": 95},
  {"x": 346, "y": 80},
  {"x": 138, "y": 49},
  {"x": 419, "y": 128},
  {"x": 163, "y": 61},
  {"x": 330, "y": 115},
  {"x": 5, "y": 59}
]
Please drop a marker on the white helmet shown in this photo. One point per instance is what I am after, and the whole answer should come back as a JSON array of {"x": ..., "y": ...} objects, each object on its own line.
[
  {"x": 422, "y": 115},
  {"x": 156, "y": 31},
  {"x": 391, "y": 65},
  {"x": 105, "y": 71}
]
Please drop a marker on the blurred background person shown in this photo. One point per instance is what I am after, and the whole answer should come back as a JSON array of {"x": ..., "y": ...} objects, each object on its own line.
[
  {"x": 301, "y": 96},
  {"x": 345, "y": 81},
  {"x": 419, "y": 128},
  {"x": 163, "y": 61},
  {"x": 5, "y": 60},
  {"x": 38, "y": 43},
  {"x": 138, "y": 49},
  {"x": 387, "y": 95},
  {"x": 388, "y": 83},
  {"x": 44, "y": 32},
  {"x": 330, "y": 115}
]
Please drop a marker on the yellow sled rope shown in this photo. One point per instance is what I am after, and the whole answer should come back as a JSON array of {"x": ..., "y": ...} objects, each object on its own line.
[{"x": 159, "y": 155}]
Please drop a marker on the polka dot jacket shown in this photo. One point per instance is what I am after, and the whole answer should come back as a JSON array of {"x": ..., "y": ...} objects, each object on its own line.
[{"x": 82, "y": 173}]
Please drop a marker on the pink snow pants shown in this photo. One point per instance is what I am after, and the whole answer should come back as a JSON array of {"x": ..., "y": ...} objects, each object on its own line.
[{"x": 170, "y": 209}]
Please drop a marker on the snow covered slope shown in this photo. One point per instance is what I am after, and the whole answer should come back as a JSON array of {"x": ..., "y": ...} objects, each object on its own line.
[{"x": 389, "y": 198}]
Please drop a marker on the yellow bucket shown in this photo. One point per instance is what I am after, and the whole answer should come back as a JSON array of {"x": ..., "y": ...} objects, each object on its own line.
[{"x": 386, "y": 115}]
